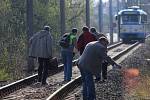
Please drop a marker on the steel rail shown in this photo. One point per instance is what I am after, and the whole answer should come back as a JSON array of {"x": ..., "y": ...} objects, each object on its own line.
[
  {"x": 64, "y": 90},
  {"x": 7, "y": 89}
]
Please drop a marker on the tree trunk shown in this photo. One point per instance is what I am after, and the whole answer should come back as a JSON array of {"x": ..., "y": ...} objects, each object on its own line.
[{"x": 30, "y": 61}]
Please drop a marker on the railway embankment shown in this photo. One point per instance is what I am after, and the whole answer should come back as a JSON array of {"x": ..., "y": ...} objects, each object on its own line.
[
  {"x": 136, "y": 76},
  {"x": 132, "y": 82}
]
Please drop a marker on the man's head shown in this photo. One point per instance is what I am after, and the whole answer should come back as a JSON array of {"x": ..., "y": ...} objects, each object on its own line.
[
  {"x": 85, "y": 29},
  {"x": 103, "y": 40},
  {"x": 93, "y": 29},
  {"x": 47, "y": 28},
  {"x": 74, "y": 30}
]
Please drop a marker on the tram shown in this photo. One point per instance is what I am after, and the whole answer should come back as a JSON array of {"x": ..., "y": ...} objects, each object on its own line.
[{"x": 131, "y": 24}]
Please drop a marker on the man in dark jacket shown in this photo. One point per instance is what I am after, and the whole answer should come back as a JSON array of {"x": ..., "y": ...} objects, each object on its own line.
[
  {"x": 84, "y": 39},
  {"x": 90, "y": 63},
  {"x": 41, "y": 48},
  {"x": 97, "y": 34},
  {"x": 104, "y": 64}
]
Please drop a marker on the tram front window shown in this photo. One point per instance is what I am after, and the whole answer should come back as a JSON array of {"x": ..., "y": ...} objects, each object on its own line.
[{"x": 130, "y": 19}]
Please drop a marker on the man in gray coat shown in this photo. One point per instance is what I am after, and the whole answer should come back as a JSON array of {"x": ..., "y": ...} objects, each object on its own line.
[
  {"x": 90, "y": 63},
  {"x": 41, "y": 48},
  {"x": 104, "y": 64}
]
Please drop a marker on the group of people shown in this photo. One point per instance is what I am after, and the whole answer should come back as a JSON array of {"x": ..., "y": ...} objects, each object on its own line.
[{"x": 93, "y": 59}]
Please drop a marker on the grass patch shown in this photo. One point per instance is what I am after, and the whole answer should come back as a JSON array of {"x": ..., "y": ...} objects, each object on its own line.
[
  {"x": 4, "y": 75},
  {"x": 143, "y": 89}
]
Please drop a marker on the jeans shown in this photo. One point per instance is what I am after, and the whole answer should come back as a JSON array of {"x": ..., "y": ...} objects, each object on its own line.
[
  {"x": 67, "y": 57},
  {"x": 88, "y": 85},
  {"x": 43, "y": 69},
  {"x": 104, "y": 70}
]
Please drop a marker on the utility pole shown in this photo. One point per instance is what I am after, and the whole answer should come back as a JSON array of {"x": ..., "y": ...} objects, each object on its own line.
[
  {"x": 118, "y": 5},
  {"x": 118, "y": 8},
  {"x": 62, "y": 17},
  {"x": 75, "y": 5},
  {"x": 125, "y": 5},
  {"x": 88, "y": 13},
  {"x": 140, "y": 3},
  {"x": 129, "y": 3},
  {"x": 29, "y": 8},
  {"x": 111, "y": 21},
  {"x": 29, "y": 18},
  {"x": 100, "y": 16}
]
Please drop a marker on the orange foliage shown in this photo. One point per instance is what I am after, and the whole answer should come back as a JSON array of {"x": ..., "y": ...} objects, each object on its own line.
[
  {"x": 131, "y": 73},
  {"x": 131, "y": 78}
]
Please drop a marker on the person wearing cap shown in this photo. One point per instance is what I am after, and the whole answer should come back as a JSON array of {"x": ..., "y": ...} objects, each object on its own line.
[
  {"x": 67, "y": 55},
  {"x": 84, "y": 38},
  {"x": 97, "y": 34},
  {"x": 40, "y": 47},
  {"x": 104, "y": 64},
  {"x": 90, "y": 63}
]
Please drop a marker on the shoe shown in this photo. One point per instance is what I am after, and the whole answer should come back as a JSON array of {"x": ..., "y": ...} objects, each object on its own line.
[
  {"x": 65, "y": 81},
  {"x": 104, "y": 80},
  {"x": 104, "y": 77},
  {"x": 97, "y": 79},
  {"x": 44, "y": 83},
  {"x": 36, "y": 85}
]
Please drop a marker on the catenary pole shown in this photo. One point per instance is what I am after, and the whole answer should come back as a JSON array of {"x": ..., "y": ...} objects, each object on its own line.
[
  {"x": 118, "y": 5},
  {"x": 118, "y": 8},
  {"x": 62, "y": 17},
  {"x": 140, "y": 2},
  {"x": 111, "y": 21},
  {"x": 88, "y": 13},
  {"x": 100, "y": 16}
]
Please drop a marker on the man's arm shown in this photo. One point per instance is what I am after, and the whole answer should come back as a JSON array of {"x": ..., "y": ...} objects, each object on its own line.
[{"x": 109, "y": 59}]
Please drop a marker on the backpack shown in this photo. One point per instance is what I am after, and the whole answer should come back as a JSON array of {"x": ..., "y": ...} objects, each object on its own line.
[
  {"x": 53, "y": 64},
  {"x": 65, "y": 40}
]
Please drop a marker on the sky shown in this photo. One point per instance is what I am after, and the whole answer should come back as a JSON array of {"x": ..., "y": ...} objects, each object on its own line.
[
  {"x": 102, "y": 0},
  {"x": 98, "y": 1}
]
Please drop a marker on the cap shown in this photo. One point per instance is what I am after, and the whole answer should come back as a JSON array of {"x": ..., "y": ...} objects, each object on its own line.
[
  {"x": 103, "y": 39},
  {"x": 85, "y": 28},
  {"x": 93, "y": 29},
  {"x": 74, "y": 30},
  {"x": 47, "y": 28}
]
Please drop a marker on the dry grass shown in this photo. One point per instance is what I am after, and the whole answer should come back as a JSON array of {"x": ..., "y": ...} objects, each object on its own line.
[{"x": 143, "y": 89}]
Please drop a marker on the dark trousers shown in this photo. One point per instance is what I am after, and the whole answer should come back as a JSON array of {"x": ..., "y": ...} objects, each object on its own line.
[
  {"x": 104, "y": 70},
  {"x": 43, "y": 69}
]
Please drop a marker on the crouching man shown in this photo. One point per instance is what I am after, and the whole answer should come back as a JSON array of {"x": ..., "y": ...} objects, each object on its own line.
[{"x": 90, "y": 63}]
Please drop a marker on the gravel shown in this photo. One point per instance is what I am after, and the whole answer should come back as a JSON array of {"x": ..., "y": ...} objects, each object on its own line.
[
  {"x": 118, "y": 86},
  {"x": 132, "y": 82}
]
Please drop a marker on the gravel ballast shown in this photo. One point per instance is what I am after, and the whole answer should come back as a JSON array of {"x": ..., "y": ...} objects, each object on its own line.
[{"x": 132, "y": 82}]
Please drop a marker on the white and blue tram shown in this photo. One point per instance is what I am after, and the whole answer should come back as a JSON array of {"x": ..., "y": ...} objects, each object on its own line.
[{"x": 131, "y": 24}]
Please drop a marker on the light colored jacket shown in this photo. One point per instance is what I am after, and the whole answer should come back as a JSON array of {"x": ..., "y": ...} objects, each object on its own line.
[
  {"x": 40, "y": 45},
  {"x": 93, "y": 56}
]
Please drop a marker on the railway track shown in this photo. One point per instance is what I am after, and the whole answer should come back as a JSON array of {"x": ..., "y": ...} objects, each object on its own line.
[
  {"x": 55, "y": 82},
  {"x": 10, "y": 88},
  {"x": 115, "y": 53}
]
